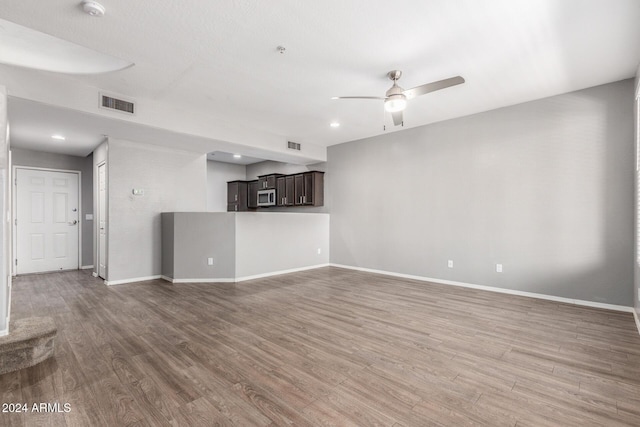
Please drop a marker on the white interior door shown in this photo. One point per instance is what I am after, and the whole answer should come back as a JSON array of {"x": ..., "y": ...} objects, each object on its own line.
[
  {"x": 102, "y": 221},
  {"x": 47, "y": 227}
]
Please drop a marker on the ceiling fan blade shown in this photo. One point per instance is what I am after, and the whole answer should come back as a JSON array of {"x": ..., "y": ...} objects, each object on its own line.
[
  {"x": 432, "y": 87},
  {"x": 358, "y": 97},
  {"x": 397, "y": 118}
]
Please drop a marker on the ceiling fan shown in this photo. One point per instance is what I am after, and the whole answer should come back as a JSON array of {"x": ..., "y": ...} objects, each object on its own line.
[{"x": 395, "y": 100}]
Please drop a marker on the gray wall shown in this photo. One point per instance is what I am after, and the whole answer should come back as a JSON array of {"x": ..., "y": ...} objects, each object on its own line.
[
  {"x": 4, "y": 203},
  {"x": 544, "y": 188},
  {"x": 168, "y": 246},
  {"x": 191, "y": 238},
  {"x": 218, "y": 174},
  {"x": 22, "y": 157},
  {"x": 268, "y": 166},
  {"x": 172, "y": 180}
]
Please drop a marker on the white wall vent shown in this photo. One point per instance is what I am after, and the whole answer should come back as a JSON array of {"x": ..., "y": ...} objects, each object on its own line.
[
  {"x": 118, "y": 104},
  {"x": 293, "y": 145}
]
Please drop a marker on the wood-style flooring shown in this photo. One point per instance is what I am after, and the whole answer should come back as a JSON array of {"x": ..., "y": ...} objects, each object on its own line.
[{"x": 318, "y": 348}]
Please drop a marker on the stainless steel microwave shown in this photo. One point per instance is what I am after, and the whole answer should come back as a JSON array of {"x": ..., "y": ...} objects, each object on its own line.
[{"x": 266, "y": 198}]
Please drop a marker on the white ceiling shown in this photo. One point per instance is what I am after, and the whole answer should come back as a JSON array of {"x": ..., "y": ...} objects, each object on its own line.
[{"x": 219, "y": 58}]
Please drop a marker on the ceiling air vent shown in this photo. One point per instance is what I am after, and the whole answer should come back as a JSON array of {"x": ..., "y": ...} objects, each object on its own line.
[
  {"x": 293, "y": 145},
  {"x": 112, "y": 103}
]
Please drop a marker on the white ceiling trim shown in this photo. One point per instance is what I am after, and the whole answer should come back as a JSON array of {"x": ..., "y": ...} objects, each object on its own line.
[{"x": 24, "y": 47}]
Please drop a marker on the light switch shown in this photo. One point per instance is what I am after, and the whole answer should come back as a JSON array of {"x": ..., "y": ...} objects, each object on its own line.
[{"x": 88, "y": 217}]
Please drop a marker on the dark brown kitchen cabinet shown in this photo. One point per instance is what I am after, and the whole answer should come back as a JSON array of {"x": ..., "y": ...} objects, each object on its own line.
[
  {"x": 302, "y": 189},
  {"x": 268, "y": 182},
  {"x": 253, "y": 194},
  {"x": 237, "y": 196},
  {"x": 285, "y": 190},
  {"x": 308, "y": 189}
]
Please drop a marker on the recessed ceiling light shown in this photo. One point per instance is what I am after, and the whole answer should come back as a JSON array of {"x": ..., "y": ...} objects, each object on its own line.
[
  {"x": 335, "y": 124},
  {"x": 237, "y": 156},
  {"x": 58, "y": 137}
]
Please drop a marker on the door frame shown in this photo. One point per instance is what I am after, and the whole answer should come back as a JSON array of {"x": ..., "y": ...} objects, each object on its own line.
[
  {"x": 14, "y": 211},
  {"x": 96, "y": 220}
]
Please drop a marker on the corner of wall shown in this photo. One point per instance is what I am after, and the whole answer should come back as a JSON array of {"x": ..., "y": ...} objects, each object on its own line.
[
  {"x": 100, "y": 155},
  {"x": 636, "y": 110}
]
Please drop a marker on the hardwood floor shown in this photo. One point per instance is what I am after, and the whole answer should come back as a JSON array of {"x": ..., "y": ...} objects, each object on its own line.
[{"x": 322, "y": 347}]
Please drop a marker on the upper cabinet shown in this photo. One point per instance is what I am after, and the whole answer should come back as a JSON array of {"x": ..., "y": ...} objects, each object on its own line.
[
  {"x": 237, "y": 196},
  {"x": 253, "y": 194},
  {"x": 285, "y": 190},
  {"x": 268, "y": 182},
  {"x": 308, "y": 189},
  {"x": 301, "y": 189}
]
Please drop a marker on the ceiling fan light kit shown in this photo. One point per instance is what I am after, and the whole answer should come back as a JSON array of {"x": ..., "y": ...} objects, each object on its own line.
[
  {"x": 395, "y": 103},
  {"x": 395, "y": 100}
]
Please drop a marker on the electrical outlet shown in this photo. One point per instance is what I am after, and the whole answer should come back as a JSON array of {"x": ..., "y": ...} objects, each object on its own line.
[
  {"x": 209, "y": 261},
  {"x": 319, "y": 251},
  {"x": 498, "y": 268},
  {"x": 450, "y": 263}
]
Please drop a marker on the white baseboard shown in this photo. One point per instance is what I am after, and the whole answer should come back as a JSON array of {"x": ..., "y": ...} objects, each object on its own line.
[
  {"x": 207, "y": 280},
  {"x": 134, "y": 280},
  {"x": 86, "y": 267},
  {"x": 244, "y": 278},
  {"x": 494, "y": 289},
  {"x": 94, "y": 274},
  {"x": 4, "y": 332},
  {"x": 276, "y": 273},
  {"x": 635, "y": 316}
]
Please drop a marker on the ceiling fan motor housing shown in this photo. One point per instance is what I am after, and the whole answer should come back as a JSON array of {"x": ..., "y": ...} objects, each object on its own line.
[
  {"x": 394, "y": 75},
  {"x": 395, "y": 90}
]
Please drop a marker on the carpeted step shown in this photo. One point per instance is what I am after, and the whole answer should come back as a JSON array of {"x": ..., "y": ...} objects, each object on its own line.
[{"x": 30, "y": 341}]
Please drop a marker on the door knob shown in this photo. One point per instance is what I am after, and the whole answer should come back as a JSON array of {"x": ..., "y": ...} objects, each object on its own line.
[{"x": 74, "y": 222}]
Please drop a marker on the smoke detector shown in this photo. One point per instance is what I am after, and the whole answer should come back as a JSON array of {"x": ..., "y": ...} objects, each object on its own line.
[{"x": 93, "y": 8}]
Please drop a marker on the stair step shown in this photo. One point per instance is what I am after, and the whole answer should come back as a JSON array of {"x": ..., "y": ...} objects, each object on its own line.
[{"x": 30, "y": 341}]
